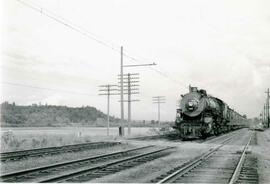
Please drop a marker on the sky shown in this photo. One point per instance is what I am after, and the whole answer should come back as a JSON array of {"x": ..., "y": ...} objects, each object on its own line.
[{"x": 221, "y": 46}]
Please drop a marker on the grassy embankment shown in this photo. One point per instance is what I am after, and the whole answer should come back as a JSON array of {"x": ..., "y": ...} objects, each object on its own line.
[{"x": 12, "y": 142}]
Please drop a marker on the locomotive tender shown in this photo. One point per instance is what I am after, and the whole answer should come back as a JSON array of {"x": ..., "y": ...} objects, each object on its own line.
[{"x": 201, "y": 115}]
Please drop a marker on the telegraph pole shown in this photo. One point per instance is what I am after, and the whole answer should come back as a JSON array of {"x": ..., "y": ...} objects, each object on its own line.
[
  {"x": 130, "y": 81},
  {"x": 131, "y": 91},
  {"x": 158, "y": 100},
  {"x": 263, "y": 116},
  {"x": 122, "y": 93},
  {"x": 107, "y": 90},
  {"x": 122, "y": 86},
  {"x": 267, "y": 107}
]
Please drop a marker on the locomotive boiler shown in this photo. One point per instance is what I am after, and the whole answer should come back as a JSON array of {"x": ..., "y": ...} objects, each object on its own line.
[{"x": 201, "y": 115}]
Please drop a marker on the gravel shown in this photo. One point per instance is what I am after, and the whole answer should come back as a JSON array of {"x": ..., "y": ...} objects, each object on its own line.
[{"x": 183, "y": 152}]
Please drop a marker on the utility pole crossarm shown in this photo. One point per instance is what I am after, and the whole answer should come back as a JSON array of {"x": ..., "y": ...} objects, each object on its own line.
[
  {"x": 131, "y": 85},
  {"x": 140, "y": 65},
  {"x": 130, "y": 88},
  {"x": 108, "y": 85},
  {"x": 126, "y": 82},
  {"x": 131, "y": 74},
  {"x": 107, "y": 90},
  {"x": 125, "y": 78},
  {"x": 131, "y": 101},
  {"x": 132, "y": 93},
  {"x": 109, "y": 93}
]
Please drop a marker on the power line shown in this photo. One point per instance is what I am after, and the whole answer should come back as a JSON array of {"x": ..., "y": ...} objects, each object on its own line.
[
  {"x": 86, "y": 33},
  {"x": 94, "y": 80},
  {"x": 168, "y": 77},
  {"x": 65, "y": 22},
  {"x": 44, "y": 88}
]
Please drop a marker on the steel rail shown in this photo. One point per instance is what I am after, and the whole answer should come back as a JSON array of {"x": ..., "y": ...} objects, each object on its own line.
[
  {"x": 147, "y": 137},
  {"x": 240, "y": 163},
  {"x": 10, "y": 176},
  {"x": 16, "y": 155},
  {"x": 68, "y": 176},
  {"x": 192, "y": 164}
]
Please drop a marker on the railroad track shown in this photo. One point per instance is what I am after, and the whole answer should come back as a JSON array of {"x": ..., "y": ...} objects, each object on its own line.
[
  {"x": 215, "y": 166},
  {"x": 216, "y": 139},
  {"x": 174, "y": 137},
  {"x": 18, "y": 155},
  {"x": 246, "y": 170},
  {"x": 87, "y": 168},
  {"x": 150, "y": 137}
]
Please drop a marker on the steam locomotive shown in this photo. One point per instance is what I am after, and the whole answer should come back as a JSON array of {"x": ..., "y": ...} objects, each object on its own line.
[{"x": 201, "y": 115}]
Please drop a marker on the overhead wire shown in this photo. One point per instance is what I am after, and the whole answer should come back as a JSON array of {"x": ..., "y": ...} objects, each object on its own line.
[
  {"x": 14, "y": 57},
  {"x": 88, "y": 34},
  {"x": 45, "y": 88},
  {"x": 66, "y": 23},
  {"x": 48, "y": 89}
]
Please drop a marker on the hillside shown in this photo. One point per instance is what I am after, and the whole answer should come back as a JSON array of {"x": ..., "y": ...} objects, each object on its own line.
[{"x": 50, "y": 115}]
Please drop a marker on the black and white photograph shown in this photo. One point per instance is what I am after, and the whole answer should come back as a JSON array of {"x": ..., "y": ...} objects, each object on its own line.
[{"x": 135, "y": 91}]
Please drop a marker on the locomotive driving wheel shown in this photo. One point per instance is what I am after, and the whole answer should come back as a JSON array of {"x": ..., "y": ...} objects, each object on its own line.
[
  {"x": 215, "y": 129},
  {"x": 204, "y": 135}
]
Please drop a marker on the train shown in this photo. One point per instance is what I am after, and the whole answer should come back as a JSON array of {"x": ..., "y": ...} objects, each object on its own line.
[{"x": 201, "y": 115}]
